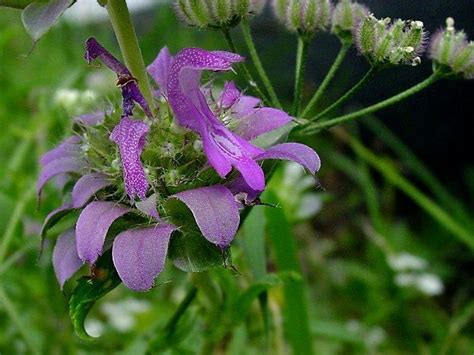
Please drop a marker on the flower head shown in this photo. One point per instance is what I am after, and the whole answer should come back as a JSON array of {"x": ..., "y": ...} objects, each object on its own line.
[
  {"x": 346, "y": 17},
  {"x": 452, "y": 52}
]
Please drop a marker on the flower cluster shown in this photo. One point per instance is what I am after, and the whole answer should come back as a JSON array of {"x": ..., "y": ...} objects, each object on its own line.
[
  {"x": 384, "y": 42},
  {"x": 346, "y": 16},
  {"x": 303, "y": 16},
  {"x": 451, "y": 50},
  {"x": 217, "y": 13},
  {"x": 129, "y": 170}
]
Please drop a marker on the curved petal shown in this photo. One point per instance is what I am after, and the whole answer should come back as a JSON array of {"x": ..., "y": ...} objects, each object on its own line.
[
  {"x": 229, "y": 95},
  {"x": 139, "y": 255},
  {"x": 87, "y": 186},
  {"x": 57, "y": 167},
  {"x": 65, "y": 259},
  {"x": 296, "y": 152},
  {"x": 70, "y": 147},
  {"x": 244, "y": 105},
  {"x": 92, "y": 227},
  {"x": 260, "y": 121},
  {"x": 160, "y": 69},
  {"x": 130, "y": 136},
  {"x": 215, "y": 211},
  {"x": 148, "y": 207},
  {"x": 238, "y": 186}
]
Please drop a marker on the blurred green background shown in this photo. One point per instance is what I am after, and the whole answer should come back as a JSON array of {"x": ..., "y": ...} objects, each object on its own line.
[{"x": 385, "y": 250}]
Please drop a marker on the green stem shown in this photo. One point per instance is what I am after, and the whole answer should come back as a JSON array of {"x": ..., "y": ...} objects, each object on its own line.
[
  {"x": 258, "y": 64},
  {"x": 348, "y": 95},
  {"x": 248, "y": 76},
  {"x": 416, "y": 195},
  {"x": 128, "y": 42},
  {"x": 327, "y": 80},
  {"x": 301, "y": 58},
  {"x": 314, "y": 127}
]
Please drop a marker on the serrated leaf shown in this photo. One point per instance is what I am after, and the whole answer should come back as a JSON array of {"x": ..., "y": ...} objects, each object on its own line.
[
  {"x": 189, "y": 250},
  {"x": 38, "y": 17},
  {"x": 89, "y": 290}
]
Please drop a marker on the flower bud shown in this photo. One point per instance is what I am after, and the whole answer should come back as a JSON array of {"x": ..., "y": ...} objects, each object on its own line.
[
  {"x": 217, "y": 13},
  {"x": 452, "y": 52},
  {"x": 303, "y": 16},
  {"x": 385, "y": 43},
  {"x": 346, "y": 17}
]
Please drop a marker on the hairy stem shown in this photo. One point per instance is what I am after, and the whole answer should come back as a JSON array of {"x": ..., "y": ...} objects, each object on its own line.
[
  {"x": 314, "y": 127},
  {"x": 301, "y": 58},
  {"x": 327, "y": 80},
  {"x": 258, "y": 64},
  {"x": 248, "y": 76},
  {"x": 128, "y": 42}
]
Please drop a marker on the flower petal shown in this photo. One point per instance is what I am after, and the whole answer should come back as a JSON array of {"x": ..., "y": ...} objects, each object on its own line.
[
  {"x": 65, "y": 259},
  {"x": 139, "y": 255},
  {"x": 244, "y": 105},
  {"x": 92, "y": 119},
  {"x": 160, "y": 69},
  {"x": 87, "y": 186},
  {"x": 68, "y": 148},
  {"x": 130, "y": 136},
  {"x": 92, "y": 227},
  {"x": 296, "y": 152},
  {"x": 148, "y": 207},
  {"x": 57, "y": 167},
  {"x": 229, "y": 95},
  {"x": 260, "y": 121},
  {"x": 215, "y": 211}
]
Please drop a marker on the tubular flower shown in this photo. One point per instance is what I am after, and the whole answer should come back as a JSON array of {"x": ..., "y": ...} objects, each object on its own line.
[{"x": 163, "y": 166}]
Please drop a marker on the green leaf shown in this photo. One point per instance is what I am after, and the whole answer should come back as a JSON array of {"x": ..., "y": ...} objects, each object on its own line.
[
  {"x": 242, "y": 305},
  {"x": 91, "y": 289},
  {"x": 38, "y": 17},
  {"x": 189, "y": 250}
]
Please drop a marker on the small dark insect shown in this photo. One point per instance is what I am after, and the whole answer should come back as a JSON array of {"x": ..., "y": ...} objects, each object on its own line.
[{"x": 124, "y": 80}]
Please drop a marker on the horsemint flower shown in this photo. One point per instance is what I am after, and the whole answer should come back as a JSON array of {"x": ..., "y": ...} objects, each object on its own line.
[
  {"x": 452, "y": 52},
  {"x": 303, "y": 16},
  {"x": 385, "y": 43},
  {"x": 217, "y": 13},
  {"x": 176, "y": 169}
]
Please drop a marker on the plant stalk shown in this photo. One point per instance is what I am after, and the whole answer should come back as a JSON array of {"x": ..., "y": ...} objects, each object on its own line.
[
  {"x": 301, "y": 58},
  {"x": 128, "y": 42},
  {"x": 328, "y": 79}
]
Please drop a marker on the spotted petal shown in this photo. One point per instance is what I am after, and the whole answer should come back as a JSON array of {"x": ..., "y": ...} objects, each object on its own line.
[
  {"x": 160, "y": 68},
  {"x": 87, "y": 186},
  {"x": 215, "y": 211},
  {"x": 65, "y": 259},
  {"x": 92, "y": 227},
  {"x": 296, "y": 152},
  {"x": 139, "y": 255},
  {"x": 130, "y": 136}
]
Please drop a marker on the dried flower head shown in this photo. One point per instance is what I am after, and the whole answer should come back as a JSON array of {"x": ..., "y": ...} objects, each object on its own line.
[
  {"x": 451, "y": 51},
  {"x": 217, "y": 13},
  {"x": 303, "y": 16},
  {"x": 384, "y": 42}
]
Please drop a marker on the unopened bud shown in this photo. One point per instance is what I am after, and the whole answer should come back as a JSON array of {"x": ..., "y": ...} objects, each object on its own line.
[
  {"x": 217, "y": 13},
  {"x": 303, "y": 16},
  {"x": 385, "y": 43},
  {"x": 452, "y": 53},
  {"x": 346, "y": 17}
]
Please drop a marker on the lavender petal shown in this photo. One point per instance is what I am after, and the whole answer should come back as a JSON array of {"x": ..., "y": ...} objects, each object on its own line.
[
  {"x": 68, "y": 148},
  {"x": 260, "y": 121},
  {"x": 92, "y": 119},
  {"x": 92, "y": 227},
  {"x": 229, "y": 95},
  {"x": 148, "y": 207},
  {"x": 160, "y": 69},
  {"x": 296, "y": 152},
  {"x": 57, "y": 167},
  {"x": 65, "y": 259},
  {"x": 139, "y": 255},
  {"x": 215, "y": 211},
  {"x": 87, "y": 186}
]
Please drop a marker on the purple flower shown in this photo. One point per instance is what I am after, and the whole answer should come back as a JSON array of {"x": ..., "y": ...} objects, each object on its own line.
[{"x": 130, "y": 136}]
